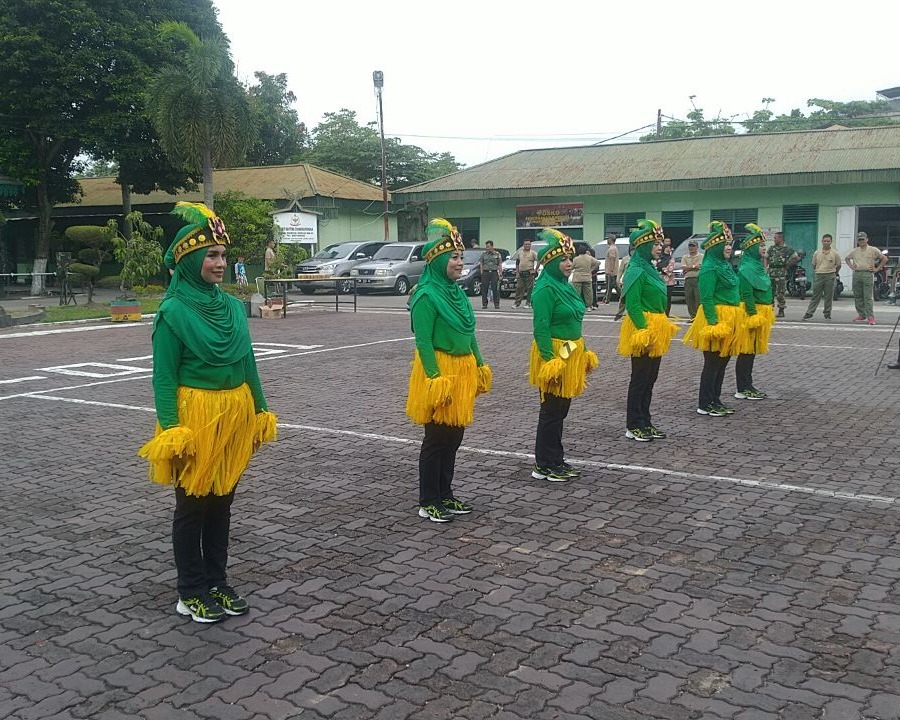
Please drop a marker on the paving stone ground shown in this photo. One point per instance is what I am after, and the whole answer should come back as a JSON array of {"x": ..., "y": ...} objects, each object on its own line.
[{"x": 745, "y": 568}]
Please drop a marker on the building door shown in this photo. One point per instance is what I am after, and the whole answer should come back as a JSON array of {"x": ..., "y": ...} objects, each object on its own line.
[{"x": 801, "y": 225}]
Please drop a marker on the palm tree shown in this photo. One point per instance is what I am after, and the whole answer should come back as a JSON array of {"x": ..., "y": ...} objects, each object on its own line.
[{"x": 199, "y": 109}]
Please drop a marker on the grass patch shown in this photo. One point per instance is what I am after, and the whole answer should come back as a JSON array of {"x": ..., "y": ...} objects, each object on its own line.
[{"x": 61, "y": 313}]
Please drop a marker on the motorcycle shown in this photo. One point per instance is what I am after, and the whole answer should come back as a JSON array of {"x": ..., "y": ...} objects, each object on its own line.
[{"x": 797, "y": 284}]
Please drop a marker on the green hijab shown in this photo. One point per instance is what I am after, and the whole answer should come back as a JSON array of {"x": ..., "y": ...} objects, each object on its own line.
[
  {"x": 448, "y": 298},
  {"x": 552, "y": 281},
  {"x": 642, "y": 241},
  {"x": 211, "y": 323},
  {"x": 714, "y": 255},
  {"x": 751, "y": 267}
]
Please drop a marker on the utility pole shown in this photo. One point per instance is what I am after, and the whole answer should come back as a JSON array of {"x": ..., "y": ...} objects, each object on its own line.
[
  {"x": 659, "y": 123},
  {"x": 378, "y": 79}
]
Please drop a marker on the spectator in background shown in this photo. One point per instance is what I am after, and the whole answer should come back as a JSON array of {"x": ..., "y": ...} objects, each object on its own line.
[
  {"x": 240, "y": 271},
  {"x": 489, "y": 268},
  {"x": 826, "y": 263},
  {"x": 666, "y": 266},
  {"x": 526, "y": 269},
  {"x": 582, "y": 267},
  {"x": 270, "y": 256},
  {"x": 865, "y": 260},
  {"x": 623, "y": 266},
  {"x": 690, "y": 266},
  {"x": 611, "y": 267}
]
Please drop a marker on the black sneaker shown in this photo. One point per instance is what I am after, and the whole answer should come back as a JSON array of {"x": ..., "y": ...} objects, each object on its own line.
[
  {"x": 638, "y": 434},
  {"x": 201, "y": 608},
  {"x": 231, "y": 602},
  {"x": 808, "y": 316},
  {"x": 435, "y": 513},
  {"x": 569, "y": 470},
  {"x": 724, "y": 409},
  {"x": 456, "y": 507},
  {"x": 749, "y": 395},
  {"x": 655, "y": 433},
  {"x": 711, "y": 410},
  {"x": 780, "y": 312},
  {"x": 549, "y": 473}
]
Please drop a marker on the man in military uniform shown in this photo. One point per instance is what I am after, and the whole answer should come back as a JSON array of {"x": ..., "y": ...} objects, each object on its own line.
[
  {"x": 781, "y": 257},
  {"x": 489, "y": 265}
]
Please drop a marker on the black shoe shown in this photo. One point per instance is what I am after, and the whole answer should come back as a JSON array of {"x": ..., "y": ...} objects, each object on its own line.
[
  {"x": 456, "y": 507},
  {"x": 828, "y": 317},
  {"x": 231, "y": 602},
  {"x": 780, "y": 312},
  {"x": 569, "y": 470},
  {"x": 655, "y": 432},
  {"x": 550, "y": 473},
  {"x": 808, "y": 316},
  {"x": 894, "y": 365}
]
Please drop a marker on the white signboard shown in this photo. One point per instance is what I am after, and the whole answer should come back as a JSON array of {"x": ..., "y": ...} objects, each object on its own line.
[{"x": 298, "y": 227}]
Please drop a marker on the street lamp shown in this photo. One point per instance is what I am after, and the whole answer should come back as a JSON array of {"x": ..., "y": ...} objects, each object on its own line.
[{"x": 378, "y": 79}]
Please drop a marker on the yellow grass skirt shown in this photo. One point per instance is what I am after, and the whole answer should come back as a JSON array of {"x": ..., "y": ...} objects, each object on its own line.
[
  {"x": 450, "y": 398},
  {"x": 724, "y": 337},
  {"x": 208, "y": 451},
  {"x": 563, "y": 378},
  {"x": 755, "y": 341},
  {"x": 652, "y": 341}
]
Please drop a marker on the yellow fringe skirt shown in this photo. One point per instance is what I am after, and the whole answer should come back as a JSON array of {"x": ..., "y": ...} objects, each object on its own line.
[
  {"x": 724, "y": 337},
  {"x": 448, "y": 399},
  {"x": 208, "y": 451},
  {"x": 652, "y": 341},
  {"x": 755, "y": 341},
  {"x": 563, "y": 378}
]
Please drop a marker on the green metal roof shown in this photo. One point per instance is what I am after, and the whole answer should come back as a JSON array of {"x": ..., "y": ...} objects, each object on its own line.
[{"x": 819, "y": 157}]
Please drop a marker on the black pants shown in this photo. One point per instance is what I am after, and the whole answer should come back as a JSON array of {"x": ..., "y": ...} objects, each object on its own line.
[
  {"x": 437, "y": 460},
  {"x": 644, "y": 371},
  {"x": 712, "y": 377},
  {"x": 743, "y": 372},
  {"x": 669, "y": 290},
  {"x": 200, "y": 531},
  {"x": 548, "y": 447},
  {"x": 490, "y": 280},
  {"x": 594, "y": 290}
]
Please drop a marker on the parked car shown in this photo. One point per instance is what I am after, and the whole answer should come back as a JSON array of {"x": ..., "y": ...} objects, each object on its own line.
[
  {"x": 396, "y": 266},
  {"x": 623, "y": 249},
  {"x": 470, "y": 280},
  {"x": 508, "y": 269},
  {"x": 336, "y": 261}
]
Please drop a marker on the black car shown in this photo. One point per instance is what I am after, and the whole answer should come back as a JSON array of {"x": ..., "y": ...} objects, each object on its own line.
[
  {"x": 470, "y": 280},
  {"x": 508, "y": 269}
]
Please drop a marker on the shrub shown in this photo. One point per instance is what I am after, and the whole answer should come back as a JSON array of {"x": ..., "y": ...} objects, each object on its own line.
[
  {"x": 149, "y": 290},
  {"x": 109, "y": 282},
  {"x": 241, "y": 292}
]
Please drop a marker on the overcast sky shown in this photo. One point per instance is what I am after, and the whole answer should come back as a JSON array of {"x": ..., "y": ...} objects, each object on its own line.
[{"x": 485, "y": 79}]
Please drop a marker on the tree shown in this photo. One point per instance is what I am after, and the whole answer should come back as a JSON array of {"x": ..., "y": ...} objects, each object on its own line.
[
  {"x": 198, "y": 108},
  {"x": 141, "y": 255},
  {"x": 341, "y": 144},
  {"x": 94, "y": 245},
  {"x": 248, "y": 222},
  {"x": 280, "y": 137},
  {"x": 696, "y": 125}
]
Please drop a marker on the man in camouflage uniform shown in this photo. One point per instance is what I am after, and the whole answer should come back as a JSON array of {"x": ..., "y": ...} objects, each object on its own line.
[{"x": 780, "y": 258}]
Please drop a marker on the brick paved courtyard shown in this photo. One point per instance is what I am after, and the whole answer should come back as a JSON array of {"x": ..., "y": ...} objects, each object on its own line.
[{"x": 746, "y": 568}]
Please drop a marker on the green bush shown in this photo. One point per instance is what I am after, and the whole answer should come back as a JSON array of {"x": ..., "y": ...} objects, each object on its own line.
[
  {"x": 109, "y": 282},
  {"x": 241, "y": 292},
  {"x": 149, "y": 290}
]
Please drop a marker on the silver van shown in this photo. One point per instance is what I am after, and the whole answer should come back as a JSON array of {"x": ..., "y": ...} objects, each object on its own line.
[
  {"x": 335, "y": 260},
  {"x": 396, "y": 267}
]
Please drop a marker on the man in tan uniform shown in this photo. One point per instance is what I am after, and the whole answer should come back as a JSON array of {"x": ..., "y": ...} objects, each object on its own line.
[
  {"x": 582, "y": 267},
  {"x": 526, "y": 269},
  {"x": 690, "y": 266},
  {"x": 865, "y": 260},
  {"x": 611, "y": 267},
  {"x": 826, "y": 263}
]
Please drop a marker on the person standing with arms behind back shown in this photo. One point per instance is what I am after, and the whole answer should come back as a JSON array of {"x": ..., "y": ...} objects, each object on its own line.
[
  {"x": 526, "y": 266},
  {"x": 718, "y": 322},
  {"x": 864, "y": 260},
  {"x": 611, "y": 268},
  {"x": 559, "y": 362},
  {"x": 447, "y": 371},
  {"x": 690, "y": 266},
  {"x": 582, "y": 267},
  {"x": 780, "y": 258},
  {"x": 756, "y": 301},
  {"x": 211, "y": 411},
  {"x": 269, "y": 260},
  {"x": 489, "y": 267},
  {"x": 826, "y": 263},
  {"x": 646, "y": 331}
]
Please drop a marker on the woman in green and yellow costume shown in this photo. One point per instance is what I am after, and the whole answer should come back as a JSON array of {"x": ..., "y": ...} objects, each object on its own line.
[
  {"x": 717, "y": 327},
  {"x": 646, "y": 332},
  {"x": 559, "y": 362},
  {"x": 756, "y": 301},
  {"x": 210, "y": 408},
  {"x": 448, "y": 371}
]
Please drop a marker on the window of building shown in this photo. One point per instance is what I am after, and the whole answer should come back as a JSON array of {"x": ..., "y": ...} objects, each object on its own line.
[
  {"x": 678, "y": 224},
  {"x": 736, "y": 219},
  {"x": 621, "y": 223}
]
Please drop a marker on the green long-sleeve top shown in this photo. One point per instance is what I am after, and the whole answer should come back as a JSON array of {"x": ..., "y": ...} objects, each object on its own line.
[
  {"x": 553, "y": 319},
  {"x": 752, "y": 296},
  {"x": 435, "y": 333},
  {"x": 713, "y": 292},
  {"x": 644, "y": 296},
  {"x": 174, "y": 364}
]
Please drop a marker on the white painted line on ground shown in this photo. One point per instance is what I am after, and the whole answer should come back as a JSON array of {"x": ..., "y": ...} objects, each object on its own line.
[
  {"x": 23, "y": 379},
  {"x": 133, "y": 359},
  {"x": 79, "y": 401},
  {"x": 74, "y": 369},
  {"x": 38, "y": 393},
  {"x": 62, "y": 331},
  {"x": 334, "y": 349}
]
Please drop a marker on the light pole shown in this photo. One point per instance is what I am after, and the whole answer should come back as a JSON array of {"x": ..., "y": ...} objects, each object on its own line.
[{"x": 378, "y": 79}]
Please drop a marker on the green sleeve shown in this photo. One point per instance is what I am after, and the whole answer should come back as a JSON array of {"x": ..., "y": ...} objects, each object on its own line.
[
  {"x": 707, "y": 286},
  {"x": 633, "y": 305},
  {"x": 251, "y": 376},
  {"x": 423, "y": 319},
  {"x": 747, "y": 297},
  {"x": 476, "y": 351},
  {"x": 166, "y": 365},
  {"x": 542, "y": 308}
]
